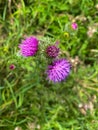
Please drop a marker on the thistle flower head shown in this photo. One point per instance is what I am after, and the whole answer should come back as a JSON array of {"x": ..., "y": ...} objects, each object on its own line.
[
  {"x": 74, "y": 26},
  {"x": 58, "y": 70},
  {"x": 29, "y": 46},
  {"x": 52, "y": 51}
]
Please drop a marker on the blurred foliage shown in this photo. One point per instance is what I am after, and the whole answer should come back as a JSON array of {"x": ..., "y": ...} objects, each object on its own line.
[{"x": 28, "y": 101}]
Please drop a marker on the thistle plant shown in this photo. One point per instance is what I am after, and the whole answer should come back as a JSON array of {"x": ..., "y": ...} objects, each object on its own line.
[
  {"x": 46, "y": 53},
  {"x": 52, "y": 51},
  {"x": 29, "y": 46},
  {"x": 58, "y": 70},
  {"x": 74, "y": 26}
]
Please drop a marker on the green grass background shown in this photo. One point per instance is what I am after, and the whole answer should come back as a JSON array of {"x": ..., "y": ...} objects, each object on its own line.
[{"x": 29, "y": 102}]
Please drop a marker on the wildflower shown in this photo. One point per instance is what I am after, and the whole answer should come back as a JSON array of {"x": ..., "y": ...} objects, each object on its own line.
[
  {"x": 52, "y": 51},
  {"x": 12, "y": 67},
  {"x": 29, "y": 46},
  {"x": 81, "y": 18},
  {"x": 58, "y": 70},
  {"x": 91, "y": 30},
  {"x": 74, "y": 26}
]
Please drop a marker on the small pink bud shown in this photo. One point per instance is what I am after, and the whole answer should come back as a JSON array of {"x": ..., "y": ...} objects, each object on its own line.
[
  {"x": 74, "y": 26},
  {"x": 12, "y": 67}
]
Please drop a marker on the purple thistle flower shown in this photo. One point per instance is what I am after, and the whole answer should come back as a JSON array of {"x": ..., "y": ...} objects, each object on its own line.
[
  {"x": 52, "y": 51},
  {"x": 29, "y": 46},
  {"x": 59, "y": 70},
  {"x": 74, "y": 26}
]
